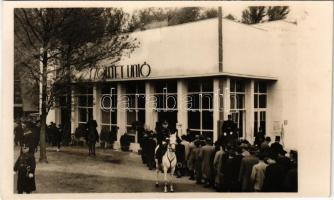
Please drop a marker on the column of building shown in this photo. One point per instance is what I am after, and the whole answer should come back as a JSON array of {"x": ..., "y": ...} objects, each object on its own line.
[
  {"x": 216, "y": 108},
  {"x": 249, "y": 106},
  {"x": 74, "y": 111},
  {"x": 182, "y": 115},
  {"x": 97, "y": 106},
  {"x": 121, "y": 114},
  {"x": 150, "y": 115}
]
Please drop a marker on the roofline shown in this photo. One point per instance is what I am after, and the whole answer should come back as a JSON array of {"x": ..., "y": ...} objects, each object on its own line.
[{"x": 211, "y": 75}]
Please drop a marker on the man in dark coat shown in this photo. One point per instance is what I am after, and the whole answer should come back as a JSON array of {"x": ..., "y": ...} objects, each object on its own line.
[
  {"x": 92, "y": 137},
  {"x": 25, "y": 166},
  {"x": 36, "y": 135},
  {"x": 276, "y": 147},
  {"x": 18, "y": 133},
  {"x": 206, "y": 153},
  {"x": 151, "y": 145},
  {"x": 236, "y": 163},
  {"x": 291, "y": 178},
  {"x": 180, "y": 157},
  {"x": 144, "y": 147},
  {"x": 274, "y": 177}
]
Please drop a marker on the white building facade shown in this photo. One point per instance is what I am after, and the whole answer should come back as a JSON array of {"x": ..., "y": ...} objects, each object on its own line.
[{"x": 194, "y": 75}]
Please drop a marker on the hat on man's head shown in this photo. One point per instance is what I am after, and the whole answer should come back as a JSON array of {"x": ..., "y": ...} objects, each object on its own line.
[{"x": 277, "y": 138}]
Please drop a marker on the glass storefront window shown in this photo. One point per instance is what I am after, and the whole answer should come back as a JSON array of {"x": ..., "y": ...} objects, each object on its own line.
[
  {"x": 237, "y": 104},
  {"x": 135, "y": 112},
  {"x": 260, "y": 106},
  {"x": 166, "y": 95},
  {"x": 200, "y": 106},
  {"x": 108, "y": 106},
  {"x": 85, "y": 103}
]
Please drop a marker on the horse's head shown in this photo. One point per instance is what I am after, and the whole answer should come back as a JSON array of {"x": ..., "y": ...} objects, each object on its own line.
[{"x": 170, "y": 146}]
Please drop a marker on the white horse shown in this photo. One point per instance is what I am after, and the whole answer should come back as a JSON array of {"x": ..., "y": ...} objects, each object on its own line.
[{"x": 168, "y": 163}]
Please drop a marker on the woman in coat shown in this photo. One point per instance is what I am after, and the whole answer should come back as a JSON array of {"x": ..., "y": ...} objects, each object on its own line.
[{"x": 25, "y": 166}]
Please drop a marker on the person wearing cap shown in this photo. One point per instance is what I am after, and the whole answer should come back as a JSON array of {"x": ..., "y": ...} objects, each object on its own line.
[
  {"x": 206, "y": 152},
  {"x": 25, "y": 167}
]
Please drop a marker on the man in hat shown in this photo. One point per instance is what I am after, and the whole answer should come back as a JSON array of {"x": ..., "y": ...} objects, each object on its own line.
[
  {"x": 274, "y": 176},
  {"x": 206, "y": 152},
  {"x": 246, "y": 168},
  {"x": 276, "y": 147}
]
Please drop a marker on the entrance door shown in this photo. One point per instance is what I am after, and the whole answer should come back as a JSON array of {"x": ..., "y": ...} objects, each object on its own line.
[{"x": 170, "y": 117}]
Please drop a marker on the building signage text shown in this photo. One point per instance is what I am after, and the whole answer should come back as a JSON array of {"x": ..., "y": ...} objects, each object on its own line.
[{"x": 127, "y": 71}]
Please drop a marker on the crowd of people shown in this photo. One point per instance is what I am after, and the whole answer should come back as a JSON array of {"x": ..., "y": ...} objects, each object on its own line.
[{"x": 229, "y": 166}]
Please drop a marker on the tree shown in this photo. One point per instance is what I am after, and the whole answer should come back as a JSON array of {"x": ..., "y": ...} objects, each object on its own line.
[
  {"x": 209, "y": 13},
  {"x": 230, "y": 17},
  {"x": 51, "y": 43},
  {"x": 253, "y": 14},
  {"x": 145, "y": 16},
  {"x": 277, "y": 12},
  {"x": 183, "y": 15}
]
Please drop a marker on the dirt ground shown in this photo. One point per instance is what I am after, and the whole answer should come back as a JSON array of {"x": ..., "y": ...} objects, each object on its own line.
[{"x": 72, "y": 171}]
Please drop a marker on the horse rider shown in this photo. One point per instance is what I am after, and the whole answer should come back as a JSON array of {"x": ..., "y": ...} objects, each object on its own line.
[{"x": 162, "y": 135}]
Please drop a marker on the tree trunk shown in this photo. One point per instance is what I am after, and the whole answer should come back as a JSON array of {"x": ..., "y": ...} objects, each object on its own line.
[{"x": 44, "y": 113}]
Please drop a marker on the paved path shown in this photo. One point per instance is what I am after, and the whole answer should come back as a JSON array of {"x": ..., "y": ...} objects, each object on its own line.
[{"x": 72, "y": 171}]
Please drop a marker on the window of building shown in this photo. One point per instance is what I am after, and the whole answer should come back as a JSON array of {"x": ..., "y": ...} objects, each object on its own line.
[
  {"x": 237, "y": 104},
  {"x": 200, "y": 107},
  {"x": 165, "y": 101},
  {"x": 108, "y": 105},
  {"x": 260, "y": 106},
  {"x": 85, "y": 103},
  {"x": 135, "y": 107}
]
